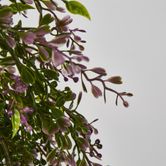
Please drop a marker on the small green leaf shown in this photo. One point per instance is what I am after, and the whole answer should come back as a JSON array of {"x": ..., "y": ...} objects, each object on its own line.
[
  {"x": 15, "y": 122},
  {"x": 76, "y": 7},
  {"x": 50, "y": 74},
  {"x": 27, "y": 75},
  {"x": 7, "y": 61},
  {"x": 69, "y": 143},
  {"x": 46, "y": 19},
  {"x": 81, "y": 162},
  {"x": 51, "y": 155},
  {"x": 18, "y": 7}
]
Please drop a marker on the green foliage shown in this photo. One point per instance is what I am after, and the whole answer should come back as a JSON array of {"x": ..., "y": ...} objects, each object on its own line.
[
  {"x": 76, "y": 7},
  {"x": 27, "y": 75},
  {"x": 39, "y": 121},
  {"x": 19, "y": 7}
]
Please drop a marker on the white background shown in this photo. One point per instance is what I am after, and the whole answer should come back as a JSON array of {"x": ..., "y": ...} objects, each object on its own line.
[{"x": 128, "y": 38}]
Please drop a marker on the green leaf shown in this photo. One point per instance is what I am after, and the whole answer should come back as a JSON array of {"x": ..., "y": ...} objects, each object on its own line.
[
  {"x": 2, "y": 106},
  {"x": 5, "y": 10},
  {"x": 76, "y": 7},
  {"x": 69, "y": 143},
  {"x": 51, "y": 155},
  {"x": 81, "y": 162},
  {"x": 18, "y": 7},
  {"x": 7, "y": 61},
  {"x": 50, "y": 74},
  {"x": 15, "y": 122},
  {"x": 27, "y": 75},
  {"x": 57, "y": 113},
  {"x": 46, "y": 19}
]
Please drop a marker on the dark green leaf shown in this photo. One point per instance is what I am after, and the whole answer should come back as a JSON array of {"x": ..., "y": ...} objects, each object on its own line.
[
  {"x": 5, "y": 10},
  {"x": 7, "y": 61},
  {"x": 50, "y": 74},
  {"x": 2, "y": 106},
  {"x": 57, "y": 113},
  {"x": 76, "y": 7},
  {"x": 60, "y": 101},
  {"x": 46, "y": 19},
  {"x": 27, "y": 75},
  {"x": 81, "y": 162},
  {"x": 51, "y": 155}
]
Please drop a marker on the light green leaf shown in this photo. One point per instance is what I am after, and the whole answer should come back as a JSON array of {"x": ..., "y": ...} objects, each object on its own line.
[
  {"x": 18, "y": 7},
  {"x": 76, "y": 7},
  {"x": 15, "y": 122}
]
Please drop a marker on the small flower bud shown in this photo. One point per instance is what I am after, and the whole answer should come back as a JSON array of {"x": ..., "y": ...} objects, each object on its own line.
[
  {"x": 115, "y": 80},
  {"x": 91, "y": 153},
  {"x": 99, "y": 146},
  {"x": 96, "y": 91},
  {"x": 75, "y": 79},
  {"x": 99, "y": 155},
  {"x": 98, "y": 70},
  {"x": 125, "y": 103},
  {"x": 97, "y": 141}
]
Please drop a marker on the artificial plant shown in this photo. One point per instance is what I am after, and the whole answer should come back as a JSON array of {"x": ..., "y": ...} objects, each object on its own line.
[{"x": 39, "y": 122}]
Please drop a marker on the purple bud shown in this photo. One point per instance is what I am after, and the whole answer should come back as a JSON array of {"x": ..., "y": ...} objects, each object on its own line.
[
  {"x": 98, "y": 70},
  {"x": 125, "y": 103},
  {"x": 18, "y": 86},
  {"x": 9, "y": 112},
  {"x": 44, "y": 53},
  {"x": 115, "y": 80},
  {"x": 27, "y": 110},
  {"x": 6, "y": 19},
  {"x": 84, "y": 144},
  {"x": 66, "y": 20},
  {"x": 49, "y": 5},
  {"x": 81, "y": 58},
  {"x": 28, "y": 37},
  {"x": 77, "y": 38},
  {"x": 66, "y": 79},
  {"x": 96, "y": 91},
  {"x": 42, "y": 30},
  {"x": 57, "y": 57},
  {"x": 10, "y": 41},
  {"x": 28, "y": 128},
  {"x": 75, "y": 79},
  {"x": 23, "y": 119},
  {"x": 59, "y": 40},
  {"x": 60, "y": 9},
  {"x": 11, "y": 69}
]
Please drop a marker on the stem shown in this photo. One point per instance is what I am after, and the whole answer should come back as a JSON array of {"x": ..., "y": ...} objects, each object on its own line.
[
  {"x": 104, "y": 85},
  {"x": 41, "y": 150}
]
